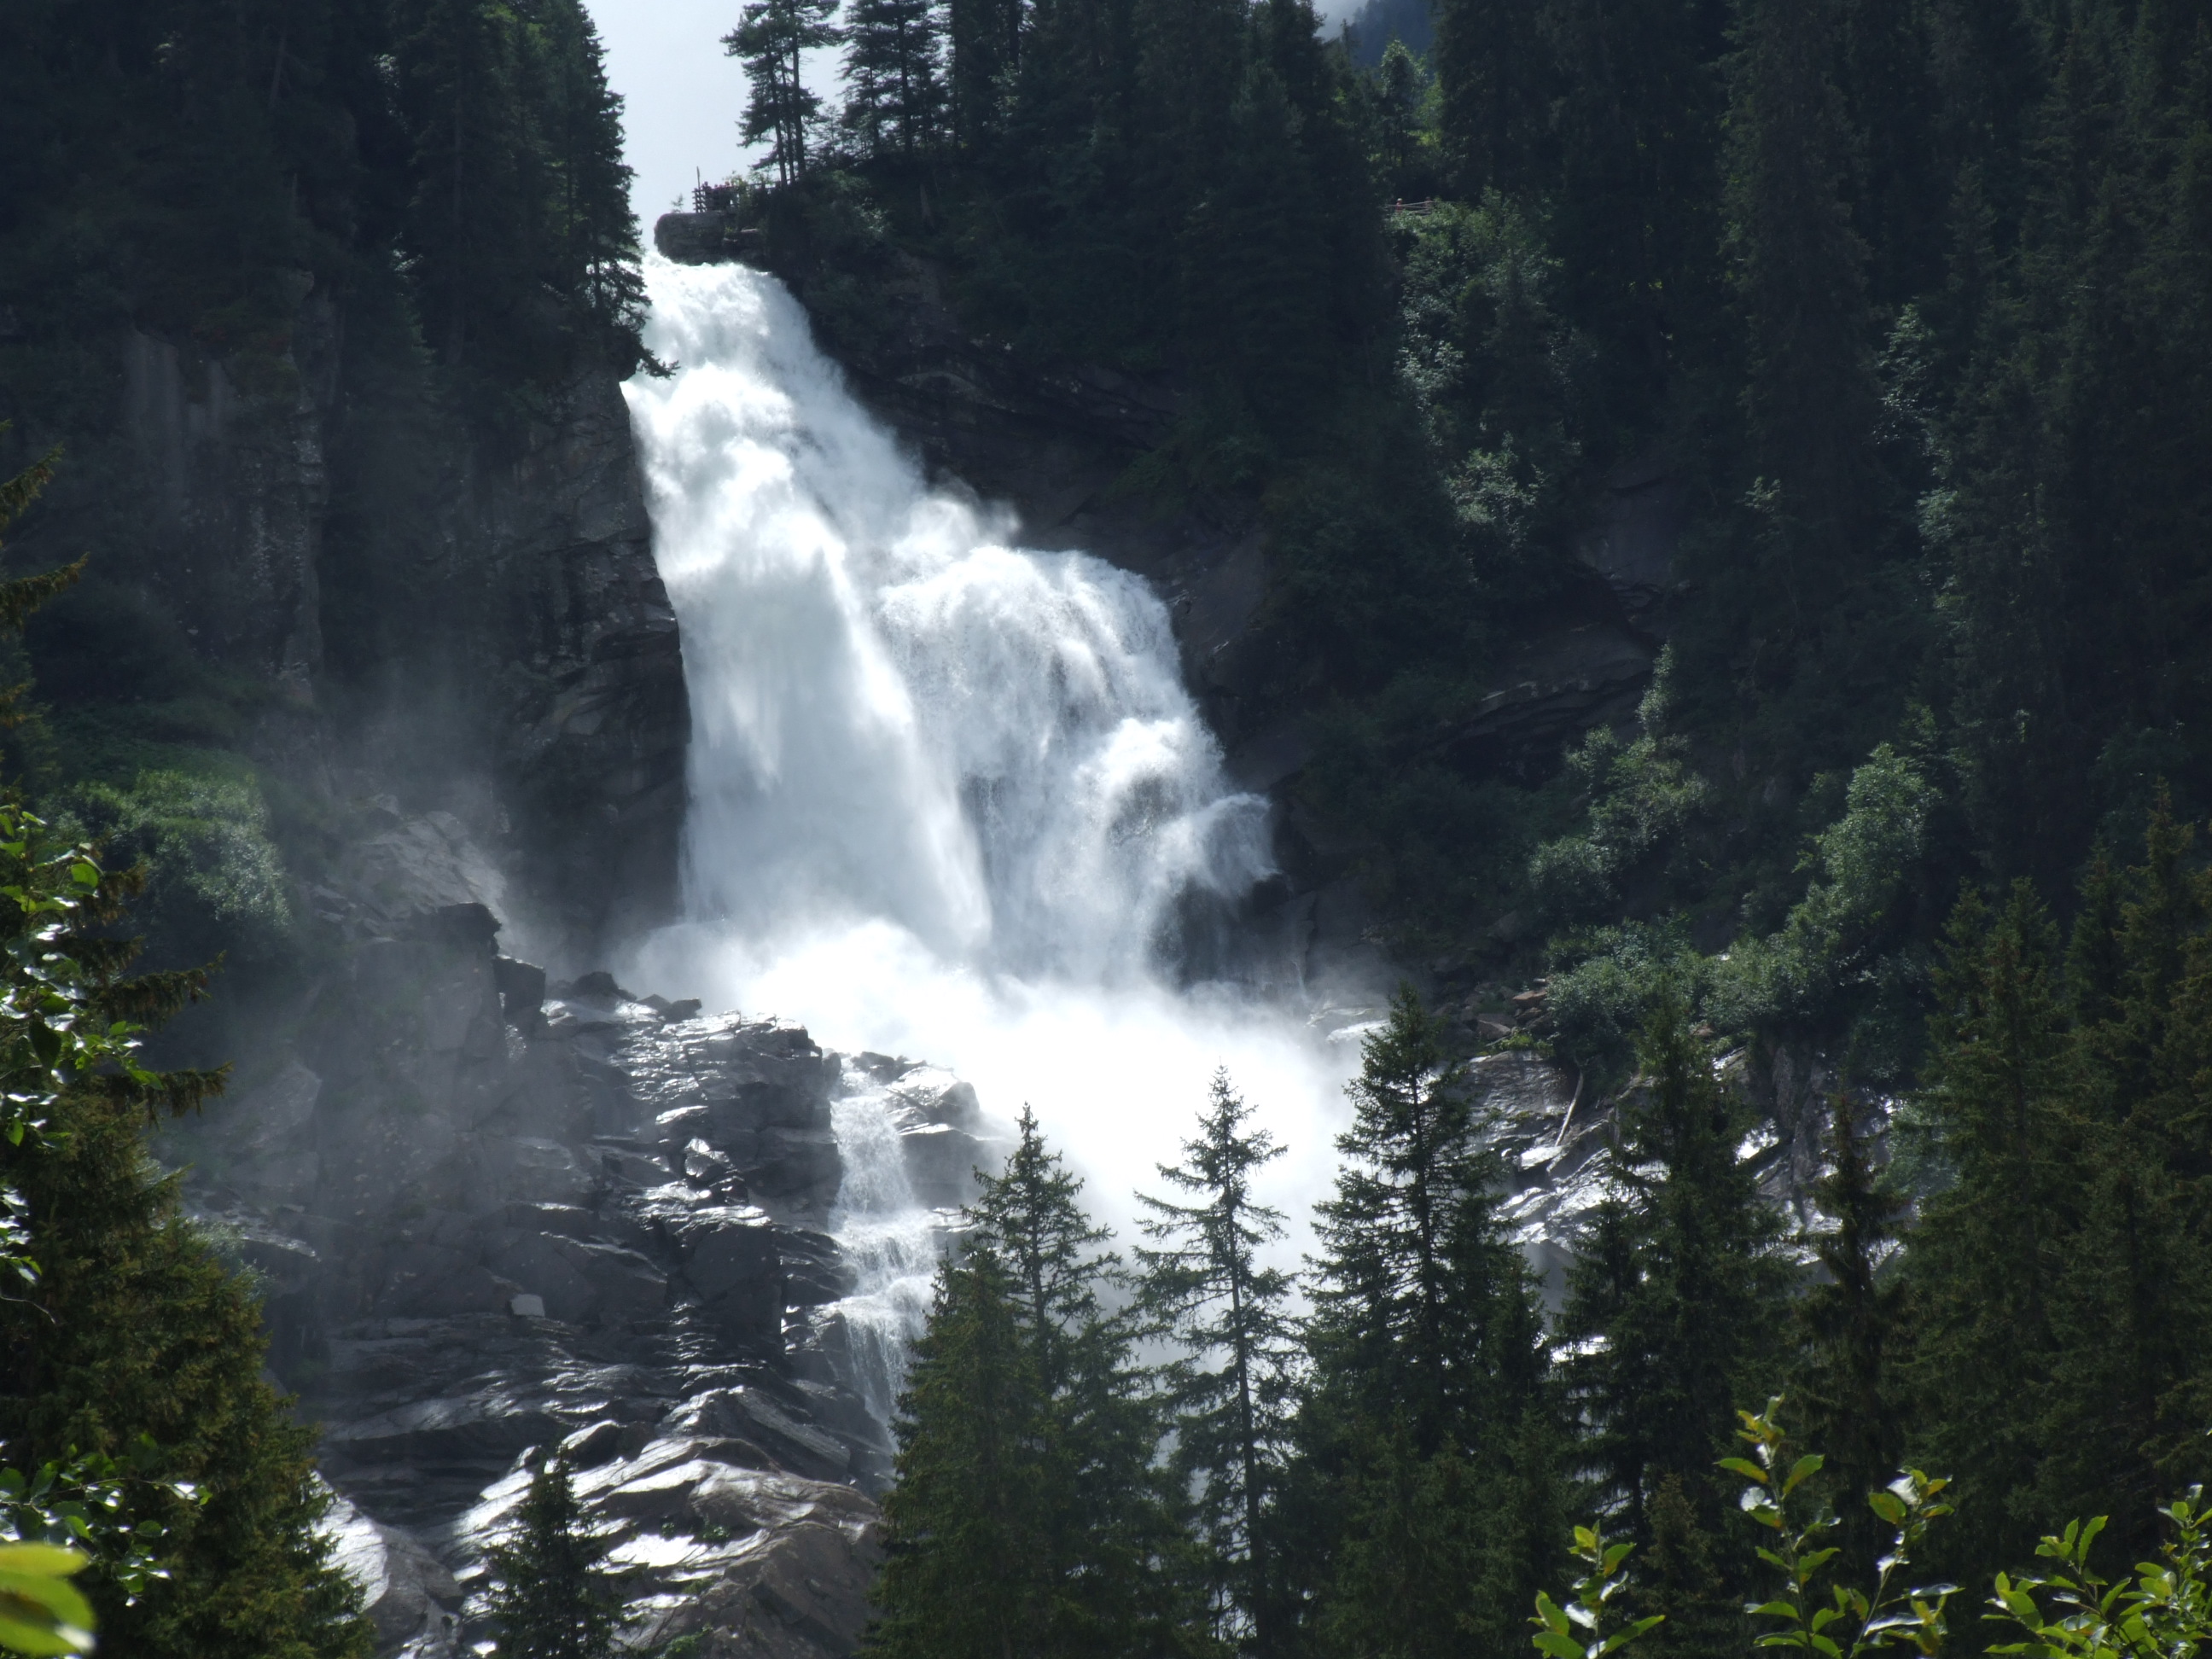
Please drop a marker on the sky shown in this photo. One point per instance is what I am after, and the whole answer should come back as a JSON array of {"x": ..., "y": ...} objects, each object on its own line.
[{"x": 684, "y": 96}]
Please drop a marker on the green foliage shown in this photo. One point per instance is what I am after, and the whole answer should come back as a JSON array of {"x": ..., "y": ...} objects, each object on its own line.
[
  {"x": 1029, "y": 1517},
  {"x": 1677, "y": 1279},
  {"x": 2074, "y": 1612},
  {"x": 770, "y": 41},
  {"x": 40, "y": 1612},
  {"x": 894, "y": 74},
  {"x": 212, "y": 869},
  {"x": 1845, "y": 948},
  {"x": 1588, "y": 1608},
  {"x": 551, "y": 1597},
  {"x": 1852, "y": 1325},
  {"x": 1428, "y": 1434},
  {"x": 134, "y": 1349},
  {"x": 88, "y": 1502},
  {"x": 1890, "y": 1614},
  {"x": 1203, "y": 1289},
  {"x": 1641, "y": 795}
]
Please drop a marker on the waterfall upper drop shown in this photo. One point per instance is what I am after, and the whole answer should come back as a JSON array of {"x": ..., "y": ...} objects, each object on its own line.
[{"x": 897, "y": 717}]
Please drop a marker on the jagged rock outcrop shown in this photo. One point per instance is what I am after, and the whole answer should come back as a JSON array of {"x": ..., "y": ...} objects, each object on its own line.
[{"x": 488, "y": 1219}]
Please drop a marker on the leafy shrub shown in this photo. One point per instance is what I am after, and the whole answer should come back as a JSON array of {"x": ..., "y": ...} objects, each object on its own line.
[{"x": 216, "y": 879}]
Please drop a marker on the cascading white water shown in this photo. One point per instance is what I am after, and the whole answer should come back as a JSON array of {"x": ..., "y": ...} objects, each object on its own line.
[{"x": 947, "y": 793}]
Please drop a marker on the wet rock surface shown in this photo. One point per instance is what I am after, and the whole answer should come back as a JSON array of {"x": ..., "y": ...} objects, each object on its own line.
[
  {"x": 487, "y": 1224},
  {"x": 494, "y": 627}
]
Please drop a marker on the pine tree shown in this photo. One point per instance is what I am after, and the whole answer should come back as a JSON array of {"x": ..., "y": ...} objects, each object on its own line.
[
  {"x": 1427, "y": 1419},
  {"x": 894, "y": 75},
  {"x": 1990, "y": 1247},
  {"x": 1204, "y": 1290},
  {"x": 1675, "y": 1305},
  {"x": 966, "y": 1575},
  {"x": 1414, "y": 1286},
  {"x": 551, "y": 1599},
  {"x": 1798, "y": 269},
  {"x": 1496, "y": 81},
  {"x": 771, "y": 40},
  {"x": 1028, "y": 1518},
  {"x": 1849, "y": 1401},
  {"x": 986, "y": 41},
  {"x": 598, "y": 228}
]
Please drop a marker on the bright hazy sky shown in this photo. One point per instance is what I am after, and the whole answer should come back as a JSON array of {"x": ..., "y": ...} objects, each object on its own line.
[{"x": 684, "y": 96}]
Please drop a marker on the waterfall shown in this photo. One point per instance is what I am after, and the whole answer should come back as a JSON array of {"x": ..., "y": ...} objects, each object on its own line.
[{"x": 947, "y": 795}]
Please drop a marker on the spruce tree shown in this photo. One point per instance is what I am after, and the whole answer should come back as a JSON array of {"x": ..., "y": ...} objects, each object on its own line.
[
  {"x": 551, "y": 1599},
  {"x": 771, "y": 40},
  {"x": 1427, "y": 1421},
  {"x": 1847, "y": 1398},
  {"x": 598, "y": 246},
  {"x": 1204, "y": 1290},
  {"x": 894, "y": 75},
  {"x": 1028, "y": 1518},
  {"x": 1989, "y": 1246},
  {"x": 1676, "y": 1307}
]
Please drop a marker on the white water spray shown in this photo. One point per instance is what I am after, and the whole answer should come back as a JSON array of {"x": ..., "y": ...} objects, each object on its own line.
[{"x": 948, "y": 796}]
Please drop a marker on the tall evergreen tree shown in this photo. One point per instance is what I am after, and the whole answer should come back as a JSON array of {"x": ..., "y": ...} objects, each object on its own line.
[
  {"x": 598, "y": 241},
  {"x": 1496, "y": 81},
  {"x": 894, "y": 75},
  {"x": 1675, "y": 1306},
  {"x": 1427, "y": 1473},
  {"x": 551, "y": 1597},
  {"x": 1989, "y": 1247},
  {"x": 1204, "y": 1290},
  {"x": 1797, "y": 266},
  {"x": 1849, "y": 1403},
  {"x": 1029, "y": 1519},
  {"x": 772, "y": 39}
]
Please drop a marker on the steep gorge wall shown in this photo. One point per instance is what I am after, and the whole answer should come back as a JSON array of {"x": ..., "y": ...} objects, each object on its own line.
[{"x": 508, "y": 656}]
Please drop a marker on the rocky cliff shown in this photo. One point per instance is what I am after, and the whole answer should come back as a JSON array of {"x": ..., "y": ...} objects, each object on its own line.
[
  {"x": 489, "y": 1218},
  {"x": 306, "y": 558}
]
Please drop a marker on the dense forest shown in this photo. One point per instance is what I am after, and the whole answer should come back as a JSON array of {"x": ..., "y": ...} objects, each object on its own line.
[
  {"x": 406, "y": 226},
  {"x": 417, "y": 214},
  {"x": 1910, "y": 304},
  {"x": 1909, "y": 300}
]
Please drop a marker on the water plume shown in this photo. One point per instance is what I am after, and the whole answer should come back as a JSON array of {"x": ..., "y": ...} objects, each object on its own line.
[{"x": 948, "y": 795}]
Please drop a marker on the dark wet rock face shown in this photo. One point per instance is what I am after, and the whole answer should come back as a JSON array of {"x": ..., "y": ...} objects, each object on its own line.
[
  {"x": 482, "y": 619},
  {"x": 487, "y": 1225}
]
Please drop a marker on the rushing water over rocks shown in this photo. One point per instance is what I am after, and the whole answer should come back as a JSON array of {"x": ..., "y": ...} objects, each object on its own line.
[{"x": 949, "y": 796}]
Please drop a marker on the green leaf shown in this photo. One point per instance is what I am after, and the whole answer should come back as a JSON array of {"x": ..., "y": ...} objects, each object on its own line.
[
  {"x": 1746, "y": 1467},
  {"x": 1548, "y": 1614},
  {"x": 1803, "y": 1469},
  {"x": 1558, "y": 1646},
  {"x": 41, "y": 1560},
  {"x": 1774, "y": 1610},
  {"x": 39, "y": 1639},
  {"x": 1621, "y": 1638},
  {"x": 1886, "y": 1504}
]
